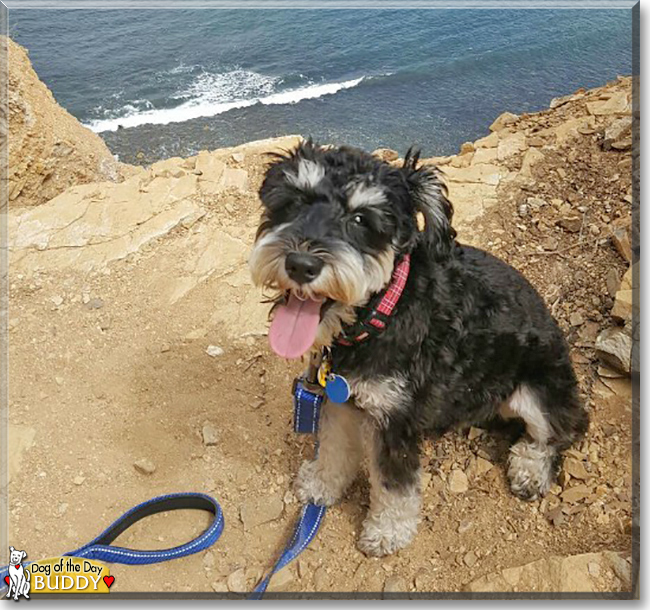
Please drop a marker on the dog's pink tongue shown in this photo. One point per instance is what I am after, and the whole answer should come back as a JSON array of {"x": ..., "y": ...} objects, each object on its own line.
[{"x": 294, "y": 327}]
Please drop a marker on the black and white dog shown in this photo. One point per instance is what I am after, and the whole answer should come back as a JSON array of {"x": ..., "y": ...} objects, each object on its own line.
[{"x": 429, "y": 334}]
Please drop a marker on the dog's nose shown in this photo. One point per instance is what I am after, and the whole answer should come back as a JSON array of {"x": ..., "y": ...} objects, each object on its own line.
[{"x": 303, "y": 268}]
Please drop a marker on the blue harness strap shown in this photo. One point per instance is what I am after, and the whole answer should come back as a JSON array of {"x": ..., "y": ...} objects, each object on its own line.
[{"x": 307, "y": 405}]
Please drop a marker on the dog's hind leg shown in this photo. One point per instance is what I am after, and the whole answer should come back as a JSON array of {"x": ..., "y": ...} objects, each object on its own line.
[
  {"x": 394, "y": 512},
  {"x": 534, "y": 459},
  {"x": 325, "y": 479}
]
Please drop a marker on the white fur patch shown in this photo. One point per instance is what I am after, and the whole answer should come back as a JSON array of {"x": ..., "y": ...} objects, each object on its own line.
[
  {"x": 394, "y": 514},
  {"x": 364, "y": 195},
  {"x": 381, "y": 396},
  {"x": 524, "y": 403},
  {"x": 309, "y": 175}
]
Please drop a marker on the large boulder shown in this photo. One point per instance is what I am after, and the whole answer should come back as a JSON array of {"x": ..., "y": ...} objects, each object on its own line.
[{"x": 49, "y": 150}]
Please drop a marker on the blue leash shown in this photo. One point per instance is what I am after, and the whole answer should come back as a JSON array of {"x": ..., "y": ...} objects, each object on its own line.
[{"x": 308, "y": 399}]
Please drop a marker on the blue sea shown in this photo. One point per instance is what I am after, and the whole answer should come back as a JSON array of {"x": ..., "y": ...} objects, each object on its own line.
[{"x": 172, "y": 82}]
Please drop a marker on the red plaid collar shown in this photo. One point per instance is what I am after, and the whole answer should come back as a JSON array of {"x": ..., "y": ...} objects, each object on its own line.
[{"x": 377, "y": 318}]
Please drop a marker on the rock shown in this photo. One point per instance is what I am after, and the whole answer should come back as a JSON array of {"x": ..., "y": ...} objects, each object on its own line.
[
  {"x": 474, "y": 433},
  {"x": 465, "y": 526},
  {"x": 555, "y": 574},
  {"x": 322, "y": 580},
  {"x": 490, "y": 141},
  {"x": 625, "y": 144},
  {"x": 144, "y": 466},
  {"x": 618, "y": 103},
  {"x": 237, "y": 581},
  {"x": 219, "y": 586},
  {"x": 95, "y": 304},
  {"x": 386, "y": 154},
  {"x": 470, "y": 559},
  {"x": 425, "y": 479},
  {"x": 210, "y": 435},
  {"x": 457, "y": 482},
  {"x": 536, "y": 202},
  {"x": 478, "y": 467},
  {"x": 621, "y": 241},
  {"x": 556, "y": 516},
  {"x": 238, "y": 157},
  {"x": 214, "y": 351},
  {"x": 79, "y": 480},
  {"x": 234, "y": 178},
  {"x": 507, "y": 118},
  {"x": 484, "y": 156},
  {"x": 395, "y": 584},
  {"x": 618, "y": 129},
  {"x": 281, "y": 580},
  {"x": 57, "y": 300},
  {"x": 531, "y": 157},
  {"x": 576, "y": 319},
  {"x": 260, "y": 509},
  {"x": 576, "y": 469},
  {"x": 550, "y": 244},
  {"x": 466, "y": 148},
  {"x": 573, "y": 495},
  {"x": 614, "y": 348},
  {"x": 623, "y": 306},
  {"x": 573, "y": 224},
  {"x": 613, "y": 282},
  {"x": 511, "y": 145}
]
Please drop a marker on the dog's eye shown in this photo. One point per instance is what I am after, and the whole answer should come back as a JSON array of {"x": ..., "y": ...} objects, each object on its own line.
[{"x": 359, "y": 219}]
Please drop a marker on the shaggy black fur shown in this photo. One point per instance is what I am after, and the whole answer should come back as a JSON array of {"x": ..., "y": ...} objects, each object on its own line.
[{"x": 468, "y": 330}]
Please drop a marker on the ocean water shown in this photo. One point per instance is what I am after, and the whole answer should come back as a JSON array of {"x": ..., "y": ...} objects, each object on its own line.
[{"x": 157, "y": 83}]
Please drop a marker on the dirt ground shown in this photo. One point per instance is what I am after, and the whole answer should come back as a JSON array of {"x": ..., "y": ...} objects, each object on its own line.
[{"x": 105, "y": 371}]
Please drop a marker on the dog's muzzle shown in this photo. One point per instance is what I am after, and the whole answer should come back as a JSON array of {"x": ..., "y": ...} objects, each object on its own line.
[{"x": 303, "y": 268}]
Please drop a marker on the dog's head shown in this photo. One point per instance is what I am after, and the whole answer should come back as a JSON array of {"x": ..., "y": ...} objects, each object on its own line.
[
  {"x": 15, "y": 557},
  {"x": 335, "y": 220}
]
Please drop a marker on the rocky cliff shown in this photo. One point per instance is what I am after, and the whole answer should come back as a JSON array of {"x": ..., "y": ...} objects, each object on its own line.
[
  {"x": 49, "y": 150},
  {"x": 132, "y": 308}
]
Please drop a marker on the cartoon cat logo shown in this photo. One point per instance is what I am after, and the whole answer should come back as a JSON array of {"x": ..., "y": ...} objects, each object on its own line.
[{"x": 18, "y": 577}]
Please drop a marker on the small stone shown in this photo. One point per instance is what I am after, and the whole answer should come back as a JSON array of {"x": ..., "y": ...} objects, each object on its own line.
[
  {"x": 474, "y": 433},
  {"x": 95, "y": 304},
  {"x": 572, "y": 224},
  {"x": 425, "y": 479},
  {"x": 457, "y": 482},
  {"x": 219, "y": 586},
  {"x": 465, "y": 526},
  {"x": 79, "y": 480},
  {"x": 573, "y": 495},
  {"x": 63, "y": 508},
  {"x": 621, "y": 241},
  {"x": 466, "y": 148},
  {"x": 625, "y": 144},
  {"x": 576, "y": 319},
  {"x": 576, "y": 469},
  {"x": 507, "y": 118},
  {"x": 144, "y": 466},
  {"x": 214, "y": 351},
  {"x": 281, "y": 579},
  {"x": 550, "y": 244},
  {"x": 614, "y": 348},
  {"x": 555, "y": 516},
  {"x": 236, "y": 581},
  {"x": 536, "y": 202},
  {"x": 613, "y": 282},
  {"x": 238, "y": 157},
  {"x": 210, "y": 435},
  {"x": 594, "y": 568},
  {"x": 164, "y": 348},
  {"x": 57, "y": 300},
  {"x": 395, "y": 584},
  {"x": 470, "y": 559},
  {"x": 321, "y": 579}
]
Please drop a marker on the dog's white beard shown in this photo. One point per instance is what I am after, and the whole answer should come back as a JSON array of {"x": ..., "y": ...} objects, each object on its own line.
[{"x": 349, "y": 278}]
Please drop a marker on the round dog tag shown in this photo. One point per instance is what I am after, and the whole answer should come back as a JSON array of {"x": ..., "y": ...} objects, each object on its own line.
[{"x": 337, "y": 389}]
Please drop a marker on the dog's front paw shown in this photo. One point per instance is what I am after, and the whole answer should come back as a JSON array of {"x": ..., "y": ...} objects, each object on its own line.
[
  {"x": 382, "y": 535},
  {"x": 312, "y": 485},
  {"x": 530, "y": 470}
]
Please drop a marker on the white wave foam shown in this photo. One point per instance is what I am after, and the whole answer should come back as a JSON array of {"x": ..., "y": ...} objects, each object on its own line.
[{"x": 213, "y": 94}]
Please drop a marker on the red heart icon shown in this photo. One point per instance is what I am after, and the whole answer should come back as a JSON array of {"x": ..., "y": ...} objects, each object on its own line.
[
  {"x": 109, "y": 580},
  {"x": 7, "y": 580}
]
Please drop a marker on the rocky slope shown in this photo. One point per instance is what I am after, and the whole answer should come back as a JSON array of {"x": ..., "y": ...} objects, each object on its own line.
[
  {"x": 139, "y": 366},
  {"x": 49, "y": 150}
]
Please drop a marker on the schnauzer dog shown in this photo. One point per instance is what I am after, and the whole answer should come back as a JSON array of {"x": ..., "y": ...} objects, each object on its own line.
[{"x": 429, "y": 334}]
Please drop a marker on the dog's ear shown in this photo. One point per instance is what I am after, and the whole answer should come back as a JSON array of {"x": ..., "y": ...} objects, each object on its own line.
[
  {"x": 23, "y": 554},
  {"x": 11, "y": 549},
  {"x": 433, "y": 211}
]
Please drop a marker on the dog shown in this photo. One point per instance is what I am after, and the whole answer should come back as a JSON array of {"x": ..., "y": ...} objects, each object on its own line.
[
  {"x": 428, "y": 333},
  {"x": 19, "y": 577}
]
